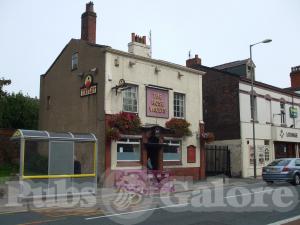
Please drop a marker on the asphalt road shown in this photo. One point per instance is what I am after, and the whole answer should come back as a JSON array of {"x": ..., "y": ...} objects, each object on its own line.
[{"x": 252, "y": 204}]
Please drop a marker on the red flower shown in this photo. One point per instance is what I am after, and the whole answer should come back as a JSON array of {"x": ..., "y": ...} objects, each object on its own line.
[{"x": 122, "y": 122}]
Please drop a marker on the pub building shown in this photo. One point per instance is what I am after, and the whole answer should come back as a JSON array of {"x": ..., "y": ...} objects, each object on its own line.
[{"x": 130, "y": 101}]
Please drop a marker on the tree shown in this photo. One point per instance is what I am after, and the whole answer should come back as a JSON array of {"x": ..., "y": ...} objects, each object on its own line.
[
  {"x": 19, "y": 111},
  {"x": 3, "y": 83}
]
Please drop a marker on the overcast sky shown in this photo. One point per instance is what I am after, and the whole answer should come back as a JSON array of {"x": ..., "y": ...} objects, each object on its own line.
[{"x": 34, "y": 32}]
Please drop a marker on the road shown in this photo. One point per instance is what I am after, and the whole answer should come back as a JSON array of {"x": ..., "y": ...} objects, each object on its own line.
[{"x": 251, "y": 204}]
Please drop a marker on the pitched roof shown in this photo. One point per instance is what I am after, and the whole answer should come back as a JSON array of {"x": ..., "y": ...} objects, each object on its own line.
[{"x": 231, "y": 64}]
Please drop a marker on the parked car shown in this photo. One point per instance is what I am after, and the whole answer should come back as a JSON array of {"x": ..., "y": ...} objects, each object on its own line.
[{"x": 287, "y": 169}]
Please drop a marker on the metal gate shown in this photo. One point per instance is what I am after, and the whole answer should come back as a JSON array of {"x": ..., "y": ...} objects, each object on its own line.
[{"x": 217, "y": 160}]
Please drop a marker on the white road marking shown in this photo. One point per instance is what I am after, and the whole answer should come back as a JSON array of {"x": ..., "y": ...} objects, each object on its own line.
[
  {"x": 251, "y": 193},
  {"x": 137, "y": 211},
  {"x": 170, "y": 206},
  {"x": 12, "y": 212},
  {"x": 281, "y": 222}
]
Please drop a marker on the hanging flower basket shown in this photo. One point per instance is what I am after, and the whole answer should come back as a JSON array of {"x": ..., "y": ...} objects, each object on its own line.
[
  {"x": 208, "y": 137},
  {"x": 122, "y": 123},
  {"x": 180, "y": 127}
]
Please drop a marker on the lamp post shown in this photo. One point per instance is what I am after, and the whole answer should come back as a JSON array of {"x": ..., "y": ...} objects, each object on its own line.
[{"x": 252, "y": 100}]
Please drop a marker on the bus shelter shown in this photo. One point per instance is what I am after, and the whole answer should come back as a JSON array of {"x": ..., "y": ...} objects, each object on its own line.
[{"x": 56, "y": 164}]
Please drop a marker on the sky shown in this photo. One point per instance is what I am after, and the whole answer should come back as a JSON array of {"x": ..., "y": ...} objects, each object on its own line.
[{"x": 34, "y": 32}]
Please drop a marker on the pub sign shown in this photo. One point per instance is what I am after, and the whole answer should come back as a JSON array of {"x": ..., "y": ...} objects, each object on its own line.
[
  {"x": 157, "y": 103},
  {"x": 293, "y": 112},
  {"x": 88, "y": 88}
]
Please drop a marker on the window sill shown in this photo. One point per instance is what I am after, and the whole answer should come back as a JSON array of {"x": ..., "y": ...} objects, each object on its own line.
[
  {"x": 255, "y": 121},
  {"x": 128, "y": 163},
  {"x": 172, "y": 163},
  {"x": 75, "y": 68},
  {"x": 283, "y": 125},
  {"x": 136, "y": 113}
]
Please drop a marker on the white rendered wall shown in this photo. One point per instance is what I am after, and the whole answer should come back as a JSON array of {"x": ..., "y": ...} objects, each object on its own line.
[{"x": 143, "y": 73}]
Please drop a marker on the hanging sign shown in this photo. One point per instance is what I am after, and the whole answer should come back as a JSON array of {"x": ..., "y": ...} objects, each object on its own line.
[
  {"x": 88, "y": 88},
  {"x": 293, "y": 112}
]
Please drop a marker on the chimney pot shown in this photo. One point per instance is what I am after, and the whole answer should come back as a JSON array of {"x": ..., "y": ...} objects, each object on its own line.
[
  {"x": 89, "y": 7},
  {"x": 133, "y": 37}
]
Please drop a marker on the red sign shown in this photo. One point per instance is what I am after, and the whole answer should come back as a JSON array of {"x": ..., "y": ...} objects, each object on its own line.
[
  {"x": 157, "y": 103},
  {"x": 89, "y": 88}
]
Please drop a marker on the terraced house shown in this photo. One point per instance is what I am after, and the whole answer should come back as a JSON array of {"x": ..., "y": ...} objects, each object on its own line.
[{"x": 227, "y": 113}]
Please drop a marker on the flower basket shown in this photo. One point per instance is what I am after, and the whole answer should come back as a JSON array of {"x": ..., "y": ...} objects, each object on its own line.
[
  {"x": 208, "y": 137},
  {"x": 180, "y": 127},
  {"x": 122, "y": 123}
]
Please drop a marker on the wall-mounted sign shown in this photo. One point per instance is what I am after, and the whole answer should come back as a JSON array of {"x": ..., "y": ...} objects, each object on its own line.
[
  {"x": 157, "y": 103},
  {"x": 88, "y": 88},
  {"x": 260, "y": 154},
  {"x": 293, "y": 112},
  {"x": 285, "y": 134}
]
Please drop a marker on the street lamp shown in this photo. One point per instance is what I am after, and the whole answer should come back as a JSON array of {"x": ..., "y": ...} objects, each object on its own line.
[{"x": 252, "y": 100}]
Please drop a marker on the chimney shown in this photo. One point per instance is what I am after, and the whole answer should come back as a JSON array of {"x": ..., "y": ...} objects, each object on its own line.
[
  {"x": 138, "y": 46},
  {"x": 193, "y": 62},
  {"x": 295, "y": 77},
  {"x": 88, "y": 24}
]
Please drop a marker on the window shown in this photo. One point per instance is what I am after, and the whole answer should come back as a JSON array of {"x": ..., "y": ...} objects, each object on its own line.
[
  {"x": 130, "y": 99},
  {"x": 179, "y": 105},
  {"x": 172, "y": 150},
  {"x": 74, "y": 61},
  {"x": 48, "y": 102},
  {"x": 267, "y": 150},
  {"x": 269, "y": 111},
  {"x": 282, "y": 112},
  {"x": 128, "y": 149},
  {"x": 254, "y": 109}
]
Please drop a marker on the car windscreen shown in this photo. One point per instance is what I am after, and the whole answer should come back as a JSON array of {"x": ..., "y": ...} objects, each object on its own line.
[{"x": 281, "y": 162}]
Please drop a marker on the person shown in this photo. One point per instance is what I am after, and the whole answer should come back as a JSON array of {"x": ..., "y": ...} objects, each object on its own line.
[
  {"x": 149, "y": 164},
  {"x": 77, "y": 166}
]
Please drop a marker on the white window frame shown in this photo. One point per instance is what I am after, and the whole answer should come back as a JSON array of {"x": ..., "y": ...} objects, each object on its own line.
[
  {"x": 131, "y": 143},
  {"x": 282, "y": 113},
  {"x": 184, "y": 105},
  {"x": 73, "y": 60},
  {"x": 269, "y": 101},
  {"x": 255, "y": 108},
  {"x": 169, "y": 140},
  {"x": 130, "y": 86}
]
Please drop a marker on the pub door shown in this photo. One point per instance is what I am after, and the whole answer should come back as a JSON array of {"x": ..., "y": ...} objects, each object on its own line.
[{"x": 154, "y": 154}]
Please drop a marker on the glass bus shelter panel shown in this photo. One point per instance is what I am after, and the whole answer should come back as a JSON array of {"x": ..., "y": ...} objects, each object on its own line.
[
  {"x": 35, "y": 134},
  {"x": 60, "y": 135},
  {"x": 84, "y": 158},
  {"x": 34, "y": 187},
  {"x": 61, "y": 158},
  {"x": 61, "y": 186},
  {"x": 84, "y": 184},
  {"x": 36, "y": 157}
]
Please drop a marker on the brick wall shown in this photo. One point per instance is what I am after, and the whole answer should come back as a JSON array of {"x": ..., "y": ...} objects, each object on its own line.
[{"x": 220, "y": 103}]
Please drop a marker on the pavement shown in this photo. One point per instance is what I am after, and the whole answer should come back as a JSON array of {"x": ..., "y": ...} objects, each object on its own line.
[{"x": 177, "y": 209}]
